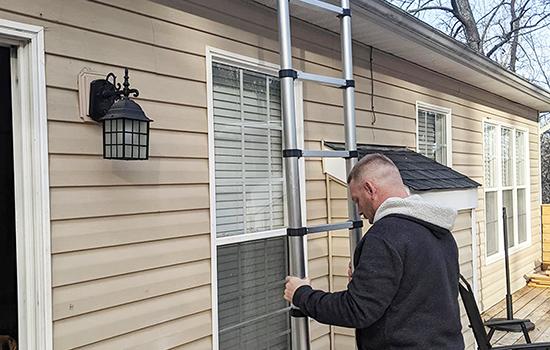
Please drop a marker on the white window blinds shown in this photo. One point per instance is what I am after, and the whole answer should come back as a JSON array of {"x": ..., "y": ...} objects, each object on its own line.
[
  {"x": 432, "y": 135},
  {"x": 248, "y": 151}
]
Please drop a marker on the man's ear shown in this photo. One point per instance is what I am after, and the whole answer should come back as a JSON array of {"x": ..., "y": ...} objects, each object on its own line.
[{"x": 368, "y": 187}]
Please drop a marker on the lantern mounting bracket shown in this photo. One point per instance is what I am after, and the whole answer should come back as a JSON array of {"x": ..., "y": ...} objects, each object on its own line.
[{"x": 103, "y": 93}]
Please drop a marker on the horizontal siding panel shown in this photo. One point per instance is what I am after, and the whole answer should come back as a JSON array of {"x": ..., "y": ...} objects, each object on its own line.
[
  {"x": 82, "y": 234},
  {"x": 201, "y": 344},
  {"x": 317, "y": 248},
  {"x": 61, "y": 72},
  {"x": 97, "y": 326},
  {"x": 344, "y": 342},
  {"x": 316, "y": 209},
  {"x": 317, "y": 329},
  {"x": 73, "y": 300},
  {"x": 72, "y": 138},
  {"x": 69, "y": 170},
  {"x": 321, "y": 343},
  {"x": 320, "y": 283},
  {"x": 73, "y": 203},
  {"x": 318, "y": 267},
  {"x": 319, "y": 131},
  {"x": 316, "y": 189},
  {"x": 63, "y": 106},
  {"x": 340, "y": 266},
  {"x": 338, "y": 191},
  {"x": 340, "y": 246},
  {"x": 93, "y": 264}
]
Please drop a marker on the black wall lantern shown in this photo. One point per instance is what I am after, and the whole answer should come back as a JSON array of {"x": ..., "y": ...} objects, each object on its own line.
[{"x": 125, "y": 125}]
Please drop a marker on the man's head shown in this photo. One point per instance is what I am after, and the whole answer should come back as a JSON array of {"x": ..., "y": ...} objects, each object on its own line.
[{"x": 373, "y": 180}]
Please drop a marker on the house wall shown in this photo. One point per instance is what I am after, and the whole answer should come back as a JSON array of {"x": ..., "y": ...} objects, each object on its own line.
[{"x": 131, "y": 240}]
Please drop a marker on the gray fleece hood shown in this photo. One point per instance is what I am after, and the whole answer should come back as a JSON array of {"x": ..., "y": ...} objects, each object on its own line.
[{"x": 415, "y": 207}]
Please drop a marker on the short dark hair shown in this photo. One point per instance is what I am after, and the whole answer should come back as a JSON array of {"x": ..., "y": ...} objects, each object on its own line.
[{"x": 373, "y": 158}]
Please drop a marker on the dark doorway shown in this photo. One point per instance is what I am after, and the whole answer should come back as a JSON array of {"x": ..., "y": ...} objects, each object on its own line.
[{"x": 8, "y": 267}]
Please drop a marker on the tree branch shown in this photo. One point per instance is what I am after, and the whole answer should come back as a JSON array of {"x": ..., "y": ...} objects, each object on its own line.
[{"x": 431, "y": 8}]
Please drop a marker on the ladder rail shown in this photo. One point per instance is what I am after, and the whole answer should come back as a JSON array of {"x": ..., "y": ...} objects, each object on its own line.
[
  {"x": 291, "y": 155},
  {"x": 299, "y": 323}
]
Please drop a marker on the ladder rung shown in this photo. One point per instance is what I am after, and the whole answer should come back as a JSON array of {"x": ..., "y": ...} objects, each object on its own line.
[
  {"x": 332, "y": 154},
  {"x": 322, "y": 5},
  {"x": 321, "y": 79},
  {"x": 330, "y": 227}
]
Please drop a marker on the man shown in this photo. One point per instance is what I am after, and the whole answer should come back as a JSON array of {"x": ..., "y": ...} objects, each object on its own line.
[{"x": 403, "y": 292}]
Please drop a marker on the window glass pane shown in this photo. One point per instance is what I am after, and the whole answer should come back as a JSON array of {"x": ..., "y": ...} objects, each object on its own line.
[
  {"x": 507, "y": 157},
  {"x": 248, "y": 151},
  {"x": 520, "y": 158},
  {"x": 440, "y": 138},
  {"x": 490, "y": 155},
  {"x": 522, "y": 216},
  {"x": 252, "y": 313},
  {"x": 508, "y": 203},
  {"x": 491, "y": 222}
]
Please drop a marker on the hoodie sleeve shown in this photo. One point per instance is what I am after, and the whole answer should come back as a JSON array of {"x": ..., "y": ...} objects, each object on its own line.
[{"x": 374, "y": 285}]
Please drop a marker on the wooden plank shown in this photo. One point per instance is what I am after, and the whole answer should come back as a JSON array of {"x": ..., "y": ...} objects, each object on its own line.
[
  {"x": 73, "y": 300},
  {"x": 83, "y": 234},
  {"x": 157, "y": 322},
  {"x": 69, "y": 268}
]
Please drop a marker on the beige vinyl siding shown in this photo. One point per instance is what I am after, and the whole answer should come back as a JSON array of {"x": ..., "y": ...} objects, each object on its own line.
[{"x": 131, "y": 240}]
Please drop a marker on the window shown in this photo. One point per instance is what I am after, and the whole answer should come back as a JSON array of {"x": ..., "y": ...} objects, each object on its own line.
[
  {"x": 249, "y": 238},
  {"x": 434, "y": 132},
  {"x": 506, "y": 173}
]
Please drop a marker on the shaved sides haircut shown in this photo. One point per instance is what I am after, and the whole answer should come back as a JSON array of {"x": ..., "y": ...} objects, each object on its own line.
[{"x": 377, "y": 168}]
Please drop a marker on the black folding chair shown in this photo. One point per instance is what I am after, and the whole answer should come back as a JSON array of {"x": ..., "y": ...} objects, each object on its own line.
[{"x": 478, "y": 327}]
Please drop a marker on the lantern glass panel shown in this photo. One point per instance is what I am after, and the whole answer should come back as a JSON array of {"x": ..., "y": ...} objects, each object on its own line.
[
  {"x": 119, "y": 124},
  {"x": 107, "y": 151},
  {"x": 136, "y": 126},
  {"x": 143, "y": 140},
  {"x": 143, "y": 127},
  {"x": 127, "y": 139},
  {"x": 128, "y": 125},
  {"x": 143, "y": 153}
]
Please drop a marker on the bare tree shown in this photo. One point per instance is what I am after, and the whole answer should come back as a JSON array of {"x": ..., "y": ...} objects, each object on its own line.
[{"x": 502, "y": 30}]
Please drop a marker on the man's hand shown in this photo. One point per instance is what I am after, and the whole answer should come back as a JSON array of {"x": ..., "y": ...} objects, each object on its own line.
[
  {"x": 350, "y": 272},
  {"x": 293, "y": 283}
]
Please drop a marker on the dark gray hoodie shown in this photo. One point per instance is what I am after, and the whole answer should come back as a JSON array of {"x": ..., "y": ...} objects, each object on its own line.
[{"x": 404, "y": 290}]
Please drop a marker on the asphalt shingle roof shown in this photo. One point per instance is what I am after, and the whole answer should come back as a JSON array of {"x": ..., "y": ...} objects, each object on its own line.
[{"x": 420, "y": 173}]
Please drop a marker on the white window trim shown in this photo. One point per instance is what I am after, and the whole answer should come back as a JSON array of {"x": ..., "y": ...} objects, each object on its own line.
[
  {"x": 32, "y": 198},
  {"x": 244, "y": 62},
  {"x": 517, "y": 247},
  {"x": 448, "y": 127}
]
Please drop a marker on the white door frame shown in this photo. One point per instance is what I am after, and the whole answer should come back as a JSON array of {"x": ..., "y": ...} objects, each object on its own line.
[{"x": 32, "y": 201}]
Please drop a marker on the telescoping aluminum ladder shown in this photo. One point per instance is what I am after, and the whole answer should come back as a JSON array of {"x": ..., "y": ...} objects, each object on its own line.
[{"x": 291, "y": 153}]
